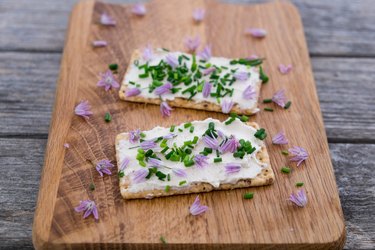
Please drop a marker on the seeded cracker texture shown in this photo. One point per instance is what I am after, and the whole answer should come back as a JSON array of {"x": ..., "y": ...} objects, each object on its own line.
[
  {"x": 180, "y": 102},
  {"x": 265, "y": 177}
]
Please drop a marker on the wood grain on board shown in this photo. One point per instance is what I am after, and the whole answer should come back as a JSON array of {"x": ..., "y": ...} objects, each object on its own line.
[{"x": 268, "y": 220}]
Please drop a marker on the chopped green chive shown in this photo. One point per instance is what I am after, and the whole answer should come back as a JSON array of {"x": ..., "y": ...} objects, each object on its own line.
[
  {"x": 107, "y": 117},
  {"x": 248, "y": 196},
  {"x": 267, "y": 100},
  {"x": 285, "y": 170},
  {"x": 113, "y": 66},
  {"x": 186, "y": 125},
  {"x": 142, "y": 135},
  {"x": 92, "y": 186},
  {"x": 172, "y": 128},
  {"x": 168, "y": 177},
  {"x": 261, "y": 134},
  {"x": 287, "y": 105},
  {"x": 182, "y": 183},
  {"x": 142, "y": 163},
  {"x": 299, "y": 184},
  {"x": 191, "y": 129},
  {"x": 268, "y": 109},
  {"x": 160, "y": 175},
  {"x": 262, "y": 75},
  {"x": 167, "y": 188},
  {"x": 195, "y": 140},
  {"x": 163, "y": 240},
  {"x": 244, "y": 118},
  {"x": 285, "y": 152},
  {"x": 208, "y": 150},
  {"x": 164, "y": 150},
  {"x": 121, "y": 174},
  {"x": 229, "y": 121},
  {"x": 218, "y": 159},
  {"x": 180, "y": 130}
]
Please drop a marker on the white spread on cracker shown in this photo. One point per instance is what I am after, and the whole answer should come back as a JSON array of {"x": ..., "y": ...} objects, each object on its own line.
[
  {"x": 214, "y": 173},
  {"x": 224, "y": 75}
]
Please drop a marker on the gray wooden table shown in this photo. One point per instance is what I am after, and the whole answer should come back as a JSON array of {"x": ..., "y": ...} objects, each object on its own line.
[{"x": 341, "y": 39}]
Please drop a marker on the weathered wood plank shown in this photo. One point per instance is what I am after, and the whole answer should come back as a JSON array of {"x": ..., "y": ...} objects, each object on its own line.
[
  {"x": 23, "y": 158},
  {"x": 336, "y": 27},
  {"x": 345, "y": 88}
]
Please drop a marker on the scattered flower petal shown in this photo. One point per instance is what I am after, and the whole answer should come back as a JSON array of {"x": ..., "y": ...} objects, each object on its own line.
[
  {"x": 153, "y": 162},
  {"x": 99, "y": 43},
  {"x": 179, "y": 172},
  {"x": 88, "y": 206},
  {"x": 206, "y": 89},
  {"x": 249, "y": 93},
  {"x": 140, "y": 175},
  {"x": 230, "y": 145},
  {"x": 196, "y": 208},
  {"x": 200, "y": 160},
  {"x": 211, "y": 142},
  {"x": 280, "y": 138},
  {"x": 147, "y": 53},
  {"x": 165, "y": 110},
  {"x": 164, "y": 89},
  {"x": 205, "y": 54},
  {"x": 299, "y": 199},
  {"x": 172, "y": 60},
  {"x": 124, "y": 164},
  {"x": 192, "y": 44},
  {"x": 220, "y": 133},
  {"x": 208, "y": 71},
  {"x": 139, "y": 9},
  {"x": 134, "y": 136},
  {"x": 66, "y": 145},
  {"x": 198, "y": 15},
  {"x": 83, "y": 109},
  {"x": 256, "y": 32},
  {"x": 299, "y": 154},
  {"x": 226, "y": 105},
  {"x": 148, "y": 144},
  {"x": 108, "y": 81},
  {"x": 232, "y": 168},
  {"x": 107, "y": 20},
  {"x": 132, "y": 92},
  {"x": 252, "y": 57},
  {"x": 169, "y": 136},
  {"x": 279, "y": 98},
  {"x": 285, "y": 69},
  {"x": 241, "y": 75},
  {"x": 103, "y": 167}
]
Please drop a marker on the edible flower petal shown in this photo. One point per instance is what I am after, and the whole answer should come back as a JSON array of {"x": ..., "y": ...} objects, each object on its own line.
[
  {"x": 164, "y": 89},
  {"x": 279, "y": 98},
  {"x": 200, "y": 160},
  {"x": 205, "y": 54},
  {"x": 226, "y": 105},
  {"x": 147, "y": 53},
  {"x": 89, "y": 207},
  {"x": 256, "y": 32},
  {"x": 132, "y": 92},
  {"x": 208, "y": 71},
  {"x": 140, "y": 175},
  {"x": 108, "y": 81},
  {"x": 280, "y": 138},
  {"x": 299, "y": 154},
  {"x": 134, "y": 136},
  {"x": 196, "y": 208},
  {"x": 66, "y": 145},
  {"x": 232, "y": 168},
  {"x": 139, "y": 9},
  {"x": 249, "y": 93},
  {"x": 124, "y": 164},
  {"x": 99, "y": 43},
  {"x": 285, "y": 69},
  {"x": 103, "y": 167},
  {"x": 148, "y": 144},
  {"x": 230, "y": 145},
  {"x": 179, "y": 172},
  {"x": 211, "y": 142},
  {"x": 83, "y": 109},
  {"x": 299, "y": 199},
  {"x": 198, "y": 15},
  {"x": 153, "y": 162},
  {"x": 241, "y": 75},
  {"x": 206, "y": 89},
  {"x": 192, "y": 44},
  {"x": 172, "y": 60},
  {"x": 165, "y": 110},
  {"x": 107, "y": 20}
]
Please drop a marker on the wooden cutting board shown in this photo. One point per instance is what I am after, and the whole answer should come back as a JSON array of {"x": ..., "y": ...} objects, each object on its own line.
[{"x": 268, "y": 220}]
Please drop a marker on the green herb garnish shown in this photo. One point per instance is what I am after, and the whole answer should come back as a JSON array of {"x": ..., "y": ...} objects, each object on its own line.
[
  {"x": 285, "y": 170},
  {"x": 261, "y": 134},
  {"x": 107, "y": 117},
  {"x": 248, "y": 196}
]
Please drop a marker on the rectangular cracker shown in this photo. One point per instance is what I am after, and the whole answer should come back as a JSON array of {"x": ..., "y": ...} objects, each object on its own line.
[
  {"x": 264, "y": 177},
  {"x": 241, "y": 105}
]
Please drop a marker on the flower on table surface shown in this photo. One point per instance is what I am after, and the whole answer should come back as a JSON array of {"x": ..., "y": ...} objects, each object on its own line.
[
  {"x": 201, "y": 160},
  {"x": 139, "y": 9},
  {"x": 89, "y": 207},
  {"x": 153, "y": 162},
  {"x": 132, "y": 92},
  {"x": 164, "y": 89},
  {"x": 148, "y": 144},
  {"x": 134, "y": 136},
  {"x": 299, "y": 154},
  {"x": 179, "y": 172},
  {"x": 99, "y": 43},
  {"x": 108, "y": 81},
  {"x": 249, "y": 93},
  {"x": 211, "y": 142},
  {"x": 172, "y": 60},
  {"x": 165, "y": 109},
  {"x": 103, "y": 167},
  {"x": 147, "y": 53},
  {"x": 205, "y": 54},
  {"x": 140, "y": 175},
  {"x": 256, "y": 32},
  {"x": 107, "y": 20},
  {"x": 192, "y": 44},
  {"x": 196, "y": 208},
  {"x": 124, "y": 164},
  {"x": 198, "y": 15},
  {"x": 66, "y": 145},
  {"x": 299, "y": 199},
  {"x": 208, "y": 71},
  {"x": 241, "y": 75},
  {"x": 206, "y": 89},
  {"x": 285, "y": 69},
  {"x": 226, "y": 105},
  {"x": 232, "y": 168},
  {"x": 83, "y": 109},
  {"x": 279, "y": 98},
  {"x": 280, "y": 138},
  {"x": 230, "y": 145}
]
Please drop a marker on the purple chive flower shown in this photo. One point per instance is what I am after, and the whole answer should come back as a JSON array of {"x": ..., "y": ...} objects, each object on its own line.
[
  {"x": 299, "y": 154},
  {"x": 280, "y": 138},
  {"x": 66, "y": 145},
  {"x": 192, "y": 44},
  {"x": 256, "y": 32},
  {"x": 149, "y": 144},
  {"x": 232, "y": 168},
  {"x": 249, "y": 93},
  {"x": 139, "y": 10},
  {"x": 124, "y": 164},
  {"x": 198, "y": 15},
  {"x": 252, "y": 57},
  {"x": 140, "y": 175},
  {"x": 164, "y": 89},
  {"x": 205, "y": 54},
  {"x": 107, "y": 20},
  {"x": 206, "y": 89},
  {"x": 285, "y": 69},
  {"x": 196, "y": 208},
  {"x": 103, "y": 167},
  {"x": 211, "y": 142},
  {"x": 153, "y": 162},
  {"x": 279, "y": 98},
  {"x": 165, "y": 110},
  {"x": 179, "y": 172},
  {"x": 83, "y": 109},
  {"x": 208, "y": 71},
  {"x": 88, "y": 206},
  {"x": 226, "y": 105},
  {"x": 108, "y": 81},
  {"x": 99, "y": 43},
  {"x": 132, "y": 92},
  {"x": 230, "y": 145},
  {"x": 299, "y": 199},
  {"x": 168, "y": 136},
  {"x": 172, "y": 60},
  {"x": 201, "y": 160},
  {"x": 241, "y": 75},
  {"x": 220, "y": 133},
  {"x": 147, "y": 53},
  {"x": 134, "y": 136}
]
